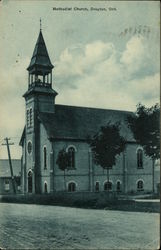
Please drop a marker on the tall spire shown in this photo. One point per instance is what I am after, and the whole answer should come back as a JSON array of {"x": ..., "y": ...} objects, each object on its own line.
[
  {"x": 40, "y": 55},
  {"x": 40, "y": 68}
]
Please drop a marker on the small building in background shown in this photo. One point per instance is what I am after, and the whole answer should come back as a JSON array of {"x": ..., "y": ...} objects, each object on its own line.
[{"x": 6, "y": 186}]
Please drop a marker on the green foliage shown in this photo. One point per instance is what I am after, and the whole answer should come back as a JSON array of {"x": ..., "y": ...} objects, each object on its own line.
[
  {"x": 145, "y": 127},
  {"x": 106, "y": 145},
  {"x": 62, "y": 159}
]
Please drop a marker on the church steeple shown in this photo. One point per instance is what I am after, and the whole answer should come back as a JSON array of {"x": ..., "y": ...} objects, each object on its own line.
[
  {"x": 40, "y": 98},
  {"x": 40, "y": 78},
  {"x": 40, "y": 67}
]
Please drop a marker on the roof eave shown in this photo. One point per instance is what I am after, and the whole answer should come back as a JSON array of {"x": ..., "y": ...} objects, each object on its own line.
[
  {"x": 34, "y": 91},
  {"x": 31, "y": 66},
  {"x": 22, "y": 137},
  {"x": 55, "y": 138}
]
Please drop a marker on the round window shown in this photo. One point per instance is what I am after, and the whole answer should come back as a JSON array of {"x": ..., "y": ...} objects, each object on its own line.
[{"x": 29, "y": 147}]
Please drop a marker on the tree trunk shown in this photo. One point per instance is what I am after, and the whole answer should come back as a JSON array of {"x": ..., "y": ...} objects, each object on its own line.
[
  {"x": 153, "y": 164},
  {"x": 108, "y": 178},
  {"x": 64, "y": 182}
]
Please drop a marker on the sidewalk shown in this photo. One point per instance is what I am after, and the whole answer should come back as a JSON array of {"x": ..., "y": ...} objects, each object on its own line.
[
  {"x": 141, "y": 197},
  {"x": 147, "y": 200}
]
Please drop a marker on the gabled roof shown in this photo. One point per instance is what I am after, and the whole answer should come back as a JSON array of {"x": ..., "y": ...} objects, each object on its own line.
[
  {"x": 70, "y": 122},
  {"x": 5, "y": 168},
  {"x": 40, "y": 55}
]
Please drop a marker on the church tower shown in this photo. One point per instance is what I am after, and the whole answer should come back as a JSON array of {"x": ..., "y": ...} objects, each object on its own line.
[{"x": 40, "y": 97}]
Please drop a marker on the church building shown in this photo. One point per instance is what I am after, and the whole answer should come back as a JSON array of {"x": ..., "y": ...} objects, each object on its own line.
[{"x": 51, "y": 127}]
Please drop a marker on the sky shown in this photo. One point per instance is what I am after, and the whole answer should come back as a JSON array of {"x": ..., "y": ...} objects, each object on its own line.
[{"x": 106, "y": 59}]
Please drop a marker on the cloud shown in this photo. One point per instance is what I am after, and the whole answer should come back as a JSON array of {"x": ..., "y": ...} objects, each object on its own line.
[
  {"x": 98, "y": 75},
  {"x": 135, "y": 54},
  {"x": 78, "y": 61},
  {"x": 140, "y": 57}
]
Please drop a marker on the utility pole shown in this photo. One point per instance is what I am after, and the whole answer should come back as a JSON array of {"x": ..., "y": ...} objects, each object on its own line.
[{"x": 10, "y": 162}]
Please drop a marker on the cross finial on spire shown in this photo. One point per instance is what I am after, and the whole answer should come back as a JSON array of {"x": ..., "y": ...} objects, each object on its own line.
[{"x": 40, "y": 24}]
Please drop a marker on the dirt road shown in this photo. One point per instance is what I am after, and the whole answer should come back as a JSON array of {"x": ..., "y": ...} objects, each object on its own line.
[{"x": 51, "y": 227}]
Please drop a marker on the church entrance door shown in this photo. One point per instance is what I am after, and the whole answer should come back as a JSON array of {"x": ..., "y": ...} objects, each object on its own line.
[{"x": 30, "y": 181}]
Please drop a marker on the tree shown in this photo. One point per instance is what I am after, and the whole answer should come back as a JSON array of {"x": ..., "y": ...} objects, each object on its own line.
[
  {"x": 144, "y": 125},
  {"x": 63, "y": 161},
  {"x": 106, "y": 145}
]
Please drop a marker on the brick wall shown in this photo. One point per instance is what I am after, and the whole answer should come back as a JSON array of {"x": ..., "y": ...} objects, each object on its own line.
[{"x": 86, "y": 173}]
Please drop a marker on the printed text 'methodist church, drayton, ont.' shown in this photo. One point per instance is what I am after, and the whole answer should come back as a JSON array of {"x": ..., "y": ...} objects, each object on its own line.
[{"x": 50, "y": 128}]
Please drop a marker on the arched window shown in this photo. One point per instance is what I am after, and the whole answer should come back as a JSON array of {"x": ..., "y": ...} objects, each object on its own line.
[
  {"x": 28, "y": 118},
  {"x": 108, "y": 185},
  {"x": 71, "y": 187},
  {"x": 45, "y": 157},
  {"x": 71, "y": 152},
  {"x": 118, "y": 186},
  {"x": 31, "y": 117},
  {"x": 30, "y": 181},
  {"x": 45, "y": 187},
  {"x": 140, "y": 158},
  {"x": 140, "y": 185},
  {"x": 97, "y": 186}
]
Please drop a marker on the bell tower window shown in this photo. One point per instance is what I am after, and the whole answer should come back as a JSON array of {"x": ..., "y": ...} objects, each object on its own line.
[
  {"x": 29, "y": 118},
  {"x": 40, "y": 79}
]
